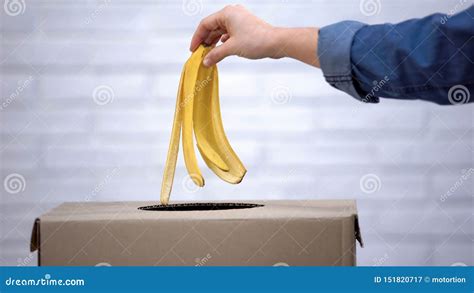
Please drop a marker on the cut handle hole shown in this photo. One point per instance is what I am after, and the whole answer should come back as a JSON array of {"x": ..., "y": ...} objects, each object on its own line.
[{"x": 205, "y": 206}]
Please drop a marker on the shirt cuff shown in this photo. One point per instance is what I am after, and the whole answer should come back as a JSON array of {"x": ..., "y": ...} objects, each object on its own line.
[{"x": 334, "y": 52}]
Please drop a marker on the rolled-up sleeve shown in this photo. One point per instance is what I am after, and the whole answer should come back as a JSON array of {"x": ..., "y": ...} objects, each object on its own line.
[
  {"x": 429, "y": 58},
  {"x": 334, "y": 52}
]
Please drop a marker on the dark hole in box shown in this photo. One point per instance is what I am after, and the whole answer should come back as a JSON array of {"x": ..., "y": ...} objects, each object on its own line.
[{"x": 201, "y": 206}]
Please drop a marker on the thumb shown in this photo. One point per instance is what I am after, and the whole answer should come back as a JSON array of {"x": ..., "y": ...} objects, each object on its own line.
[{"x": 219, "y": 53}]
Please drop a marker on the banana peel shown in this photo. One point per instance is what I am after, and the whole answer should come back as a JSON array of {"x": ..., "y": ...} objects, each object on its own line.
[{"x": 198, "y": 114}]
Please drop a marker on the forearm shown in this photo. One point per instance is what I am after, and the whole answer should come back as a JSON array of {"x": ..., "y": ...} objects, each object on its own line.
[{"x": 297, "y": 43}]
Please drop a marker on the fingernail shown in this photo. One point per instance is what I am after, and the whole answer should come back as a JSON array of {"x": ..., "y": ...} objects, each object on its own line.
[{"x": 206, "y": 62}]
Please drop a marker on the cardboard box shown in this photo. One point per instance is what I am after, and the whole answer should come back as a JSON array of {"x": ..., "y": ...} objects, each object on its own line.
[{"x": 262, "y": 233}]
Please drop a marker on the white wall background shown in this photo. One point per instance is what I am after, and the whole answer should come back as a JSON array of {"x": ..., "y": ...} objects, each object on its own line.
[{"x": 318, "y": 144}]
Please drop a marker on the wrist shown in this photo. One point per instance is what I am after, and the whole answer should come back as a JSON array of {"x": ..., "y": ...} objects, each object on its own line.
[
  {"x": 297, "y": 43},
  {"x": 279, "y": 42}
]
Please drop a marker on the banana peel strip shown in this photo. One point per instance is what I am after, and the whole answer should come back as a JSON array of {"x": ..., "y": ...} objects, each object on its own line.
[{"x": 198, "y": 114}]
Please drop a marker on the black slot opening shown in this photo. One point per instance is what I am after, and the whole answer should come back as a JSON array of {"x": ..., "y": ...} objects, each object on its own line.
[{"x": 204, "y": 206}]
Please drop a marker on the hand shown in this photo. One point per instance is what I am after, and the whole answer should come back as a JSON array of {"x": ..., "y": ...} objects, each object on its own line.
[{"x": 245, "y": 35}]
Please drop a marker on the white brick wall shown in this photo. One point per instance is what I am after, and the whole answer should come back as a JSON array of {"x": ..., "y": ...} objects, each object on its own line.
[{"x": 318, "y": 145}]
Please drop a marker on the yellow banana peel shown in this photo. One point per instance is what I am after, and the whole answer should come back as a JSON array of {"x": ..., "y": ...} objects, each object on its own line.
[{"x": 198, "y": 113}]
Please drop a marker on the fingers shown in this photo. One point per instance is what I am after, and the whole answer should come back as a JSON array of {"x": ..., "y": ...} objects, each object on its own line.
[
  {"x": 219, "y": 53},
  {"x": 225, "y": 37},
  {"x": 213, "y": 37},
  {"x": 206, "y": 26}
]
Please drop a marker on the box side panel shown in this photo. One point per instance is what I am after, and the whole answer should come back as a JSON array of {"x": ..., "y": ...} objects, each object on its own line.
[
  {"x": 348, "y": 241},
  {"x": 305, "y": 242},
  {"x": 262, "y": 242}
]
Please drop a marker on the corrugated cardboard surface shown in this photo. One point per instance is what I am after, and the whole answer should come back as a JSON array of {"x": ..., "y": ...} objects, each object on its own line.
[{"x": 118, "y": 233}]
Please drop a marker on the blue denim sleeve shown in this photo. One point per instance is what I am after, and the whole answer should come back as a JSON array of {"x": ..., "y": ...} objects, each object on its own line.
[
  {"x": 334, "y": 52},
  {"x": 430, "y": 59}
]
